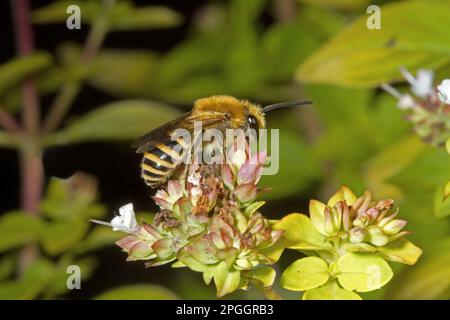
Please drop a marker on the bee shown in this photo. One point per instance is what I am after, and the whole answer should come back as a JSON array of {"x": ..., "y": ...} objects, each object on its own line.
[{"x": 160, "y": 158}]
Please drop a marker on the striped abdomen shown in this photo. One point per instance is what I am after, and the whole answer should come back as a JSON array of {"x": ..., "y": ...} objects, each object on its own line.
[{"x": 159, "y": 163}]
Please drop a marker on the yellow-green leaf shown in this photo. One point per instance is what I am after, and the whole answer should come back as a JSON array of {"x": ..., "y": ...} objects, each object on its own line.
[
  {"x": 299, "y": 233},
  {"x": 402, "y": 251},
  {"x": 18, "y": 228},
  {"x": 226, "y": 280},
  {"x": 124, "y": 15},
  {"x": 316, "y": 212},
  {"x": 359, "y": 56},
  {"x": 330, "y": 291},
  {"x": 343, "y": 194},
  {"x": 305, "y": 274},
  {"x": 123, "y": 120},
  {"x": 59, "y": 237},
  {"x": 31, "y": 284},
  {"x": 266, "y": 275},
  {"x": 363, "y": 272},
  {"x": 17, "y": 69},
  {"x": 428, "y": 280}
]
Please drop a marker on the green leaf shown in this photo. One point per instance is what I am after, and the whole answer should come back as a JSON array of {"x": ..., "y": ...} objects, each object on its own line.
[
  {"x": 305, "y": 274},
  {"x": 389, "y": 162},
  {"x": 35, "y": 279},
  {"x": 339, "y": 4},
  {"x": 251, "y": 209},
  {"x": 299, "y": 233},
  {"x": 7, "y": 140},
  {"x": 124, "y": 15},
  {"x": 428, "y": 280},
  {"x": 442, "y": 201},
  {"x": 123, "y": 120},
  {"x": 343, "y": 194},
  {"x": 125, "y": 72},
  {"x": 330, "y": 291},
  {"x": 363, "y": 57},
  {"x": 97, "y": 238},
  {"x": 363, "y": 272},
  {"x": 138, "y": 292},
  {"x": 17, "y": 69},
  {"x": 59, "y": 237},
  {"x": 266, "y": 275},
  {"x": 227, "y": 280},
  {"x": 316, "y": 213},
  {"x": 80, "y": 191},
  {"x": 402, "y": 251},
  {"x": 7, "y": 266},
  {"x": 17, "y": 229},
  {"x": 58, "y": 284},
  {"x": 149, "y": 17},
  {"x": 190, "y": 262}
]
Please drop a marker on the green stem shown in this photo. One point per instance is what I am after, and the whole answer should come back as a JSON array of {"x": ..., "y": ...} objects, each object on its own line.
[{"x": 65, "y": 98}]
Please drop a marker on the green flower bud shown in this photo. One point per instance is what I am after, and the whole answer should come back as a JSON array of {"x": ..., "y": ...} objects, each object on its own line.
[
  {"x": 377, "y": 237},
  {"x": 394, "y": 226},
  {"x": 357, "y": 235}
]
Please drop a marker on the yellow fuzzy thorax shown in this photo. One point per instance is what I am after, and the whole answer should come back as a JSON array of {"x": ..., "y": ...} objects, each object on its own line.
[{"x": 239, "y": 110}]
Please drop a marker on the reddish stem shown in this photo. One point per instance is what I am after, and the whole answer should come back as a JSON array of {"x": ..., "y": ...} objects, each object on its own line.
[
  {"x": 24, "y": 47},
  {"x": 32, "y": 173},
  {"x": 8, "y": 122}
]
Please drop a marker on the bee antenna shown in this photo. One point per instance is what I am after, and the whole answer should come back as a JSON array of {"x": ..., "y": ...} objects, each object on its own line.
[{"x": 296, "y": 103}]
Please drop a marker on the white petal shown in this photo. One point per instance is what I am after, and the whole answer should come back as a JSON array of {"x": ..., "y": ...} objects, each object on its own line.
[
  {"x": 117, "y": 223},
  {"x": 423, "y": 85},
  {"x": 444, "y": 91},
  {"x": 129, "y": 218},
  {"x": 126, "y": 209},
  {"x": 406, "y": 102}
]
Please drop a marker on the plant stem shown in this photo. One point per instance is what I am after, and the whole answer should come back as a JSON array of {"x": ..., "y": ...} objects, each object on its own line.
[
  {"x": 24, "y": 47},
  {"x": 32, "y": 173},
  {"x": 8, "y": 122},
  {"x": 68, "y": 93}
]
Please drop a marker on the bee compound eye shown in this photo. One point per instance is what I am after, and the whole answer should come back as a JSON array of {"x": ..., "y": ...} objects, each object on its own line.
[{"x": 252, "y": 123}]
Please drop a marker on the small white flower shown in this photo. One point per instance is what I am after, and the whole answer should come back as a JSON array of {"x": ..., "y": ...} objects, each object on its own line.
[
  {"x": 422, "y": 84},
  {"x": 405, "y": 101},
  {"x": 444, "y": 91},
  {"x": 126, "y": 221}
]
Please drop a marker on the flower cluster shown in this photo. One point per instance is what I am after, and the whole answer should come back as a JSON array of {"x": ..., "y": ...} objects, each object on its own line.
[
  {"x": 349, "y": 241},
  {"x": 428, "y": 107},
  {"x": 208, "y": 221},
  {"x": 357, "y": 221}
]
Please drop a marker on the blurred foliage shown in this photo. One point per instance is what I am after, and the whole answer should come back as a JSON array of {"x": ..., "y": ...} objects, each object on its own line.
[{"x": 353, "y": 135}]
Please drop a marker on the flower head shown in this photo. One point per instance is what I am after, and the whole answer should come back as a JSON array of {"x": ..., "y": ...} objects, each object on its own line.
[
  {"x": 428, "y": 108},
  {"x": 357, "y": 220},
  {"x": 208, "y": 221}
]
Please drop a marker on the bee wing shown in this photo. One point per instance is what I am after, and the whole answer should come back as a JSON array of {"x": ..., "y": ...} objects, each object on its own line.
[{"x": 163, "y": 134}]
